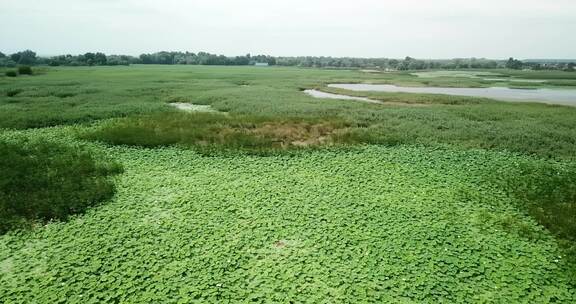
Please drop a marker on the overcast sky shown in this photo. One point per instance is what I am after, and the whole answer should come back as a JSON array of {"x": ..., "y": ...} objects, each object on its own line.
[{"x": 359, "y": 28}]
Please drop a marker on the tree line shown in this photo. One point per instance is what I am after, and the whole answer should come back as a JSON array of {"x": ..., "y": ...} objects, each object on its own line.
[{"x": 29, "y": 57}]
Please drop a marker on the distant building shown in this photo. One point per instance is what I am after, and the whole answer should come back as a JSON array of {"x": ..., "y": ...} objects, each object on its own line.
[{"x": 261, "y": 63}]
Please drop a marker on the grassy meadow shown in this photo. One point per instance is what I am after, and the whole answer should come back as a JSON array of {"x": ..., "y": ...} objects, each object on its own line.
[{"x": 280, "y": 197}]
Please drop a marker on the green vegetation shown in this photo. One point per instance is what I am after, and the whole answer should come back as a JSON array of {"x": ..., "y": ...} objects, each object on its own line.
[
  {"x": 374, "y": 224},
  {"x": 13, "y": 92},
  {"x": 514, "y": 64},
  {"x": 549, "y": 192},
  {"x": 425, "y": 198},
  {"x": 43, "y": 181},
  {"x": 24, "y": 70},
  {"x": 211, "y": 132},
  {"x": 29, "y": 57}
]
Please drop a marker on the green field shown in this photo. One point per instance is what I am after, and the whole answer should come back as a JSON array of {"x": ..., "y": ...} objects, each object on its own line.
[{"x": 283, "y": 197}]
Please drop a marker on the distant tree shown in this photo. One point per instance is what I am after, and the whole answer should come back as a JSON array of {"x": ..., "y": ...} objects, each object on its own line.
[
  {"x": 58, "y": 60},
  {"x": 490, "y": 64},
  {"x": 24, "y": 57},
  {"x": 405, "y": 64},
  {"x": 88, "y": 58},
  {"x": 7, "y": 62},
  {"x": 179, "y": 58},
  {"x": 80, "y": 59},
  {"x": 131, "y": 59},
  {"x": 100, "y": 59},
  {"x": 191, "y": 58},
  {"x": 241, "y": 60},
  {"x": 2, "y": 55},
  {"x": 118, "y": 60},
  {"x": 146, "y": 58},
  {"x": 514, "y": 64},
  {"x": 93, "y": 58},
  {"x": 417, "y": 65},
  {"x": 536, "y": 66},
  {"x": 217, "y": 60},
  {"x": 203, "y": 58},
  {"x": 570, "y": 67}
]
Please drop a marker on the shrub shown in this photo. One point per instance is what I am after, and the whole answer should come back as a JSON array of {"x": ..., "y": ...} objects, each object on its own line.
[
  {"x": 41, "y": 181},
  {"x": 24, "y": 70},
  {"x": 13, "y": 92},
  {"x": 11, "y": 74},
  {"x": 63, "y": 94}
]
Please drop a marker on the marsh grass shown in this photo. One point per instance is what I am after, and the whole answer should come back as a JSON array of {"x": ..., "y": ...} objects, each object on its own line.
[
  {"x": 209, "y": 132},
  {"x": 41, "y": 181},
  {"x": 82, "y": 95},
  {"x": 411, "y": 99},
  {"x": 549, "y": 194}
]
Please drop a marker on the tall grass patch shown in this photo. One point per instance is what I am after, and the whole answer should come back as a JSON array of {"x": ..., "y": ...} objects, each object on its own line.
[
  {"x": 215, "y": 131},
  {"x": 25, "y": 70},
  {"x": 548, "y": 191},
  {"x": 41, "y": 181}
]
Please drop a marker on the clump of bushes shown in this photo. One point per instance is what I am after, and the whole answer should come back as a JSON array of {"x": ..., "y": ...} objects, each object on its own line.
[
  {"x": 41, "y": 181},
  {"x": 11, "y": 74},
  {"x": 25, "y": 70},
  {"x": 13, "y": 92},
  {"x": 63, "y": 94}
]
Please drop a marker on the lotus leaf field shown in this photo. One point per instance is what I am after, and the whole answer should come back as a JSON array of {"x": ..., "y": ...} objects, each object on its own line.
[{"x": 381, "y": 213}]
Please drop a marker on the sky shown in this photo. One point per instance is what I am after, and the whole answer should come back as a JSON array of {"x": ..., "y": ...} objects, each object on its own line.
[{"x": 361, "y": 28}]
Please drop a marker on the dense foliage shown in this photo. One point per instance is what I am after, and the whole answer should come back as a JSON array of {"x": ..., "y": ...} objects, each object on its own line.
[
  {"x": 44, "y": 181},
  {"x": 204, "y": 58},
  {"x": 26, "y": 57},
  {"x": 90, "y": 59},
  {"x": 366, "y": 225},
  {"x": 24, "y": 70}
]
